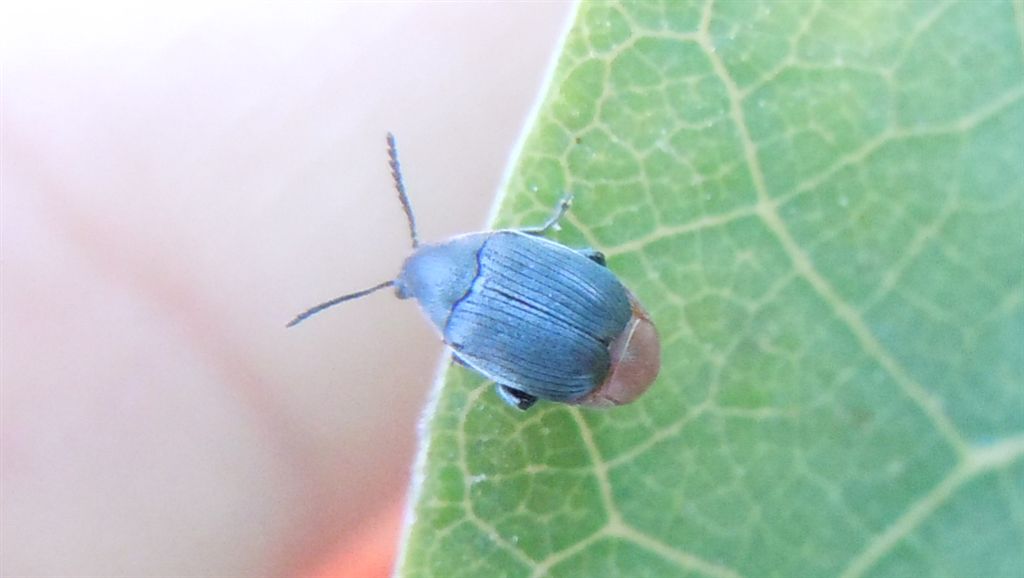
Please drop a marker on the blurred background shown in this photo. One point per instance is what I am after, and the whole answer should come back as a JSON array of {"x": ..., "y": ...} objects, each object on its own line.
[{"x": 177, "y": 183}]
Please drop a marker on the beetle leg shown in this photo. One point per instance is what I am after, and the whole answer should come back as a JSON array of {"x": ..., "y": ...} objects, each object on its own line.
[
  {"x": 516, "y": 398},
  {"x": 552, "y": 222},
  {"x": 458, "y": 360},
  {"x": 594, "y": 255}
]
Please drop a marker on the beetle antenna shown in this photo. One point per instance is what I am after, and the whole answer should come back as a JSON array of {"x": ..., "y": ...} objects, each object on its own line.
[
  {"x": 396, "y": 174},
  {"x": 313, "y": 311}
]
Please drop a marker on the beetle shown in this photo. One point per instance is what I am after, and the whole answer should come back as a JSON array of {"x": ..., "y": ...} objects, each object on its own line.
[{"x": 542, "y": 320}]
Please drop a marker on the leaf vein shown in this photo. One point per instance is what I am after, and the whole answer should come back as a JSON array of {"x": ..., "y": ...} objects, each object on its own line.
[
  {"x": 977, "y": 462},
  {"x": 767, "y": 210}
]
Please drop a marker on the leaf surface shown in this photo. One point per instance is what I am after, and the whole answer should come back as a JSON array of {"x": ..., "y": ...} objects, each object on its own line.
[{"x": 822, "y": 206}]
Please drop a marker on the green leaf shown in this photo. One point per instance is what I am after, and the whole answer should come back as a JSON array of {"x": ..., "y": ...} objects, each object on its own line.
[{"x": 822, "y": 206}]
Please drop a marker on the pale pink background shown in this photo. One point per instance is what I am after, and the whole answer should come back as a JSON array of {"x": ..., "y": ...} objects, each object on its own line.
[{"x": 177, "y": 183}]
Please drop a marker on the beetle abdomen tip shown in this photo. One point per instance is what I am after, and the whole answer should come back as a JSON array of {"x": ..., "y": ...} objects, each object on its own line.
[{"x": 635, "y": 362}]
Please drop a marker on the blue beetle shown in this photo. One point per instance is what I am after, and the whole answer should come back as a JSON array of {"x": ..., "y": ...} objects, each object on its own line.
[{"x": 541, "y": 320}]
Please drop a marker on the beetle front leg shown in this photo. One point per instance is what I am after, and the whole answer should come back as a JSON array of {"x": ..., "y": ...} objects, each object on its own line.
[
  {"x": 552, "y": 222},
  {"x": 515, "y": 398}
]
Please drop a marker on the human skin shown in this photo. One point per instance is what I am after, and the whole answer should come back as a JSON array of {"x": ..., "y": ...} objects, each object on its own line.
[{"x": 177, "y": 186}]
